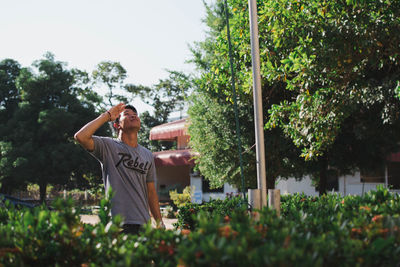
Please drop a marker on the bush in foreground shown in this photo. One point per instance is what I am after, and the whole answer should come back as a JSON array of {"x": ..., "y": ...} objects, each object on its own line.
[{"x": 326, "y": 231}]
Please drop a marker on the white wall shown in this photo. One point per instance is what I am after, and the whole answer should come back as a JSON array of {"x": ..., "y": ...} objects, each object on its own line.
[
  {"x": 199, "y": 196},
  {"x": 351, "y": 185},
  {"x": 348, "y": 185},
  {"x": 291, "y": 186}
]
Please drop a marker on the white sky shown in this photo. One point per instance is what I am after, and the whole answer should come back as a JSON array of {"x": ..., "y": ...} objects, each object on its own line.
[{"x": 145, "y": 36}]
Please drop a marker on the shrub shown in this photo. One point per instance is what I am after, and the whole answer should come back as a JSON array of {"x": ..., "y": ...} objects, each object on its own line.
[
  {"x": 312, "y": 231},
  {"x": 183, "y": 199},
  {"x": 187, "y": 214}
]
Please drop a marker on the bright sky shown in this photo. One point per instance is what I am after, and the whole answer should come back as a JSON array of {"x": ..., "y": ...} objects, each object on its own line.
[{"x": 145, "y": 36}]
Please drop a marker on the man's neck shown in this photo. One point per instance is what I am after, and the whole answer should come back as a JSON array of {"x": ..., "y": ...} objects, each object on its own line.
[{"x": 131, "y": 139}]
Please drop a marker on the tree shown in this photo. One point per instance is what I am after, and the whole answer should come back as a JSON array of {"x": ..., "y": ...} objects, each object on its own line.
[
  {"x": 112, "y": 75},
  {"x": 167, "y": 96},
  {"x": 41, "y": 129},
  {"x": 329, "y": 77},
  {"x": 341, "y": 61},
  {"x": 9, "y": 95},
  {"x": 212, "y": 127},
  {"x": 9, "y": 99}
]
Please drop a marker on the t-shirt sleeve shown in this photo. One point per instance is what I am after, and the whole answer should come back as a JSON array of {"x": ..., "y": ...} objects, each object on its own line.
[
  {"x": 151, "y": 174},
  {"x": 99, "y": 148}
]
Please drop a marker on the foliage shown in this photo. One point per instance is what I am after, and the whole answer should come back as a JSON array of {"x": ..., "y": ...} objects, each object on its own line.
[
  {"x": 9, "y": 100},
  {"x": 213, "y": 136},
  {"x": 329, "y": 75},
  {"x": 341, "y": 61},
  {"x": 312, "y": 231},
  {"x": 39, "y": 136},
  {"x": 112, "y": 75},
  {"x": 187, "y": 214},
  {"x": 181, "y": 199},
  {"x": 167, "y": 96},
  {"x": 212, "y": 116}
]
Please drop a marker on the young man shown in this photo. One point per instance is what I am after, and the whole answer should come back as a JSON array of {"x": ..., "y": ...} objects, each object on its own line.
[{"x": 126, "y": 166}]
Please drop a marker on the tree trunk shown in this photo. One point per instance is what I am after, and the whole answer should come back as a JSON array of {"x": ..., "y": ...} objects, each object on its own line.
[
  {"x": 323, "y": 172},
  {"x": 42, "y": 191}
]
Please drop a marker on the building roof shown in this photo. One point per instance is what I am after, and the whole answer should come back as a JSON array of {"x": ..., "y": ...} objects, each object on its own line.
[
  {"x": 394, "y": 157},
  {"x": 182, "y": 157},
  {"x": 169, "y": 131}
]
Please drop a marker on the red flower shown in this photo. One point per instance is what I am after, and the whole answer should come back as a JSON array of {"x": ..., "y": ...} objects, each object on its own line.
[
  {"x": 261, "y": 229},
  {"x": 227, "y": 219},
  {"x": 377, "y": 218},
  {"x": 164, "y": 248},
  {"x": 226, "y": 231},
  {"x": 365, "y": 208},
  {"x": 185, "y": 231}
]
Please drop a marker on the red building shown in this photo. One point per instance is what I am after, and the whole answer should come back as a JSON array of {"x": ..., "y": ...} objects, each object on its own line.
[{"x": 174, "y": 167}]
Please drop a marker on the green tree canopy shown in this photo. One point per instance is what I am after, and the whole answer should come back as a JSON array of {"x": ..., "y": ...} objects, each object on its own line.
[
  {"x": 39, "y": 143},
  {"x": 9, "y": 99},
  {"x": 341, "y": 59},
  {"x": 112, "y": 75},
  {"x": 213, "y": 131},
  {"x": 329, "y": 77},
  {"x": 166, "y": 97}
]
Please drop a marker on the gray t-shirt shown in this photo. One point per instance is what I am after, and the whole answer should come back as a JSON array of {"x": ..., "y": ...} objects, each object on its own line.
[{"x": 127, "y": 170}]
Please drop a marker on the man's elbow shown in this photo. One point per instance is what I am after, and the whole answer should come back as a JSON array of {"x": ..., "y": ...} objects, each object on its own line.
[
  {"x": 77, "y": 137},
  {"x": 84, "y": 141},
  {"x": 80, "y": 138}
]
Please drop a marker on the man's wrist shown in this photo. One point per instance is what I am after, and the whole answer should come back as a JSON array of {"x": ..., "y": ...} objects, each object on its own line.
[
  {"x": 106, "y": 116},
  {"x": 109, "y": 115}
]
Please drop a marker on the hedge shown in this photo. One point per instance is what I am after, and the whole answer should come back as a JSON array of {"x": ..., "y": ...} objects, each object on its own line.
[{"x": 311, "y": 231}]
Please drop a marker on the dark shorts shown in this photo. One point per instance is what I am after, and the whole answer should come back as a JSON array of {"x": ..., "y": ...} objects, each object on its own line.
[{"x": 133, "y": 229}]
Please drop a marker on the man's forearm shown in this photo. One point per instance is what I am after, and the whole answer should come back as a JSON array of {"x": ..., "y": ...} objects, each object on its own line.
[
  {"x": 155, "y": 208},
  {"x": 154, "y": 203},
  {"x": 84, "y": 135}
]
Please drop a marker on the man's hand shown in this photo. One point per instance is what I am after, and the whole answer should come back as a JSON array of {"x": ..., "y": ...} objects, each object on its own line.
[
  {"x": 160, "y": 225},
  {"x": 115, "y": 111}
]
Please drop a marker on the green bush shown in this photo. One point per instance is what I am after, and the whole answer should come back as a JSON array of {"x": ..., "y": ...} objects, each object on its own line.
[
  {"x": 187, "y": 214},
  {"x": 311, "y": 231},
  {"x": 181, "y": 199}
]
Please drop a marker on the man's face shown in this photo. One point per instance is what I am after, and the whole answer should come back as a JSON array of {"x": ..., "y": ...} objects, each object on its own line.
[{"x": 129, "y": 120}]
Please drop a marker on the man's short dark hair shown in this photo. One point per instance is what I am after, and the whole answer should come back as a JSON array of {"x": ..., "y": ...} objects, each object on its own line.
[{"x": 127, "y": 107}]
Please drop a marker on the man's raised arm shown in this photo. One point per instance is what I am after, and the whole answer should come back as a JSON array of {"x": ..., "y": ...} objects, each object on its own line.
[{"x": 84, "y": 135}]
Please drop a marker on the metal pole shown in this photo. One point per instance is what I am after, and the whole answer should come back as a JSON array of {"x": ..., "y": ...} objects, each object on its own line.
[
  {"x": 258, "y": 113},
  {"x": 235, "y": 99},
  {"x": 386, "y": 176}
]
